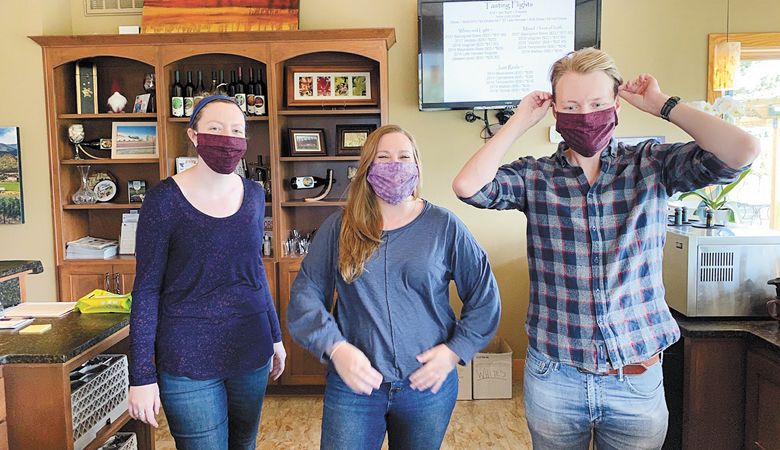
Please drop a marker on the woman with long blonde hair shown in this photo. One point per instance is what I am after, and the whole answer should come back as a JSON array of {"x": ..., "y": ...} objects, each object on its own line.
[{"x": 392, "y": 340}]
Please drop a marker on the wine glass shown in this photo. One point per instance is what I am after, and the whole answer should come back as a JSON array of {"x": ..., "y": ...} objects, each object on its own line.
[{"x": 76, "y": 137}]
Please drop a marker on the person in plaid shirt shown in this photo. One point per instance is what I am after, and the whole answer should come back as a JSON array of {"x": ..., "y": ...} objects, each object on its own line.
[{"x": 597, "y": 319}]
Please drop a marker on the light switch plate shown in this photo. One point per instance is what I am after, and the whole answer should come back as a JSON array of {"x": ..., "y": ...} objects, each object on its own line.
[{"x": 555, "y": 137}]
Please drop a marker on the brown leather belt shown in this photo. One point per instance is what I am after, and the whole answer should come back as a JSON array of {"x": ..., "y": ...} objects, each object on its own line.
[{"x": 630, "y": 369}]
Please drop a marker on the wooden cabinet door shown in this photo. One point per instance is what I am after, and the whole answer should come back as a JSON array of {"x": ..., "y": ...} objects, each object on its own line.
[
  {"x": 79, "y": 280},
  {"x": 123, "y": 279},
  {"x": 762, "y": 400},
  {"x": 302, "y": 368}
]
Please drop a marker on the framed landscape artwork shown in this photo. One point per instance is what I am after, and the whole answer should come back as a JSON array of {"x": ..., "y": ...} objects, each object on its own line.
[
  {"x": 133, "y": 140},
  {"x": 11, "y": 201}
]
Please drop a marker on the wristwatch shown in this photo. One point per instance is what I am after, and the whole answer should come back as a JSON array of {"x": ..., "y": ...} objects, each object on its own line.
[{"x": 668, "y": 106}]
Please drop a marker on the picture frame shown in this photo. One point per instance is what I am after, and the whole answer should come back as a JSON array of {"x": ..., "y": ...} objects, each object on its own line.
[
  {"x": 136, "y": 191},
  {"x": 335, "y": 86},
  {"x": 350, "y": 138},
  {"x": 307, "y": 142},
  {"x": 133, "y": 140},
  {"x": 11, "y": 191},
  {"x": 185, "y": 162},
  {"x": 141, "y": 104}
]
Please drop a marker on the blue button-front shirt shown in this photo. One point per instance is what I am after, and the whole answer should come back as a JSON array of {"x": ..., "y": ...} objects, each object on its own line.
[
  {"x": 594, "y": 252},
  {"x": 400, "y": 306}
]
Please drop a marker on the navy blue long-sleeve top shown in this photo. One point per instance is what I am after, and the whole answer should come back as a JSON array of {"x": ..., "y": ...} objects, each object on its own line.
[
  {"x": 201, "y": 303},
  {"x": 400, "y": 306}
]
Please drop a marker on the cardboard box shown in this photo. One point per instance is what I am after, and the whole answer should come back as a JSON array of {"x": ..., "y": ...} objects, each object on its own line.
[
  {"x": 464, "y": 382},
  {"x": 493, "y": 371}
]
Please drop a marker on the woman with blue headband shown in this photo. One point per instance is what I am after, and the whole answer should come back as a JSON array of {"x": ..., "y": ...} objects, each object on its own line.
[{"x": 204, "y": 335}]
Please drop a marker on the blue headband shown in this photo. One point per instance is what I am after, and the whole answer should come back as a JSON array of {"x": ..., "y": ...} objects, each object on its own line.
[{"x": 204, "y": 102}]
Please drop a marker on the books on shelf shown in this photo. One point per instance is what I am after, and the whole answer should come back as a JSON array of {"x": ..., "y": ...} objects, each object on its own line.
[
  {"x": 90, "y": 247},
  {"x": 40, "y": 309},
  {"x": 127, "y": 233}
]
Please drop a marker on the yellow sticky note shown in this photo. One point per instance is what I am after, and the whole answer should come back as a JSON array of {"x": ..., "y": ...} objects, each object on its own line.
[{"x": 35, "y": 329}]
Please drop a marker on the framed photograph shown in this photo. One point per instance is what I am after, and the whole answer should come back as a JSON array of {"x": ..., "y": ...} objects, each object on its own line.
[
  {"x": 136, "y": 191},
  {"x": 350, "y": 138},
  {"x": 133, "y": 140},
  {"x": 185, "y": 162},
  {"x": 307, "y": 142},
  {"x": 141, "y": 104},
  {"x": 11, "y": 198},
  {"x": 336, "y": 86}
]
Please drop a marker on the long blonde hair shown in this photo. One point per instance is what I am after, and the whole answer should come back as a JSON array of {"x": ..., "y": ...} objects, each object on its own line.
[{"x": 361, "y": 225}]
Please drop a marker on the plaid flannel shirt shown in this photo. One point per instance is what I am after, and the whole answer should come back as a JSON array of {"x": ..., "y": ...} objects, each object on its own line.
[{"x": 594, "y": 252}]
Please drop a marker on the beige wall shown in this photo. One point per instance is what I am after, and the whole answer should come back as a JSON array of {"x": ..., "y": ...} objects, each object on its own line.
[
  {"x": 667, "y": 38},
  {"x": 22, "y": 105}
]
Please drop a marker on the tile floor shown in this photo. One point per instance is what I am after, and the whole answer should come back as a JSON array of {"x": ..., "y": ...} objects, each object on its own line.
[{"x": 293, "y": 422}]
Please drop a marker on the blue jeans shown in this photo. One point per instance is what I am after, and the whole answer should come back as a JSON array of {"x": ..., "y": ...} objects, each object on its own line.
[
  {"x": 214, "y": 414},
  {"x": 564, "y": 406},
  {"x": 413, "y": 420}
]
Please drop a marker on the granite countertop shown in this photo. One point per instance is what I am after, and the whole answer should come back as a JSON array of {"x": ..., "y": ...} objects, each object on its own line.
[
  {"x": 765, "y": 333},
  {"x": 69, "y": 336},
  {"x": 13, "y": 267}
]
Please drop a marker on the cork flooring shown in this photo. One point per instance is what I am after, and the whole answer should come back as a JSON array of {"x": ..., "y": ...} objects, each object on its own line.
[{"x": 293, "y": 422}]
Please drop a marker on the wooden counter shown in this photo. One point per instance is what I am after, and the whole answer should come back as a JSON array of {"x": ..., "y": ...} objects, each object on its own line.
[
  {"x": 13, "y": 277},
  {"x": 36, "y": 369}
]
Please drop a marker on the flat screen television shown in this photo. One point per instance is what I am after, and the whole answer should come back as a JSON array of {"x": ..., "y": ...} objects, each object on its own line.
[{"x": 490, "y": 53}]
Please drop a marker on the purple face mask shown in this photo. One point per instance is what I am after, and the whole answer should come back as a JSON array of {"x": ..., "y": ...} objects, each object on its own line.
[
  {"x": 221, "y": 153},
  {"x": 393, "y": 182},
  {"x": 587, "y": 134}
]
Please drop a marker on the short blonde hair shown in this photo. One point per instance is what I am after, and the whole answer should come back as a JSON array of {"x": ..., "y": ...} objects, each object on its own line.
[{"x": 585, "y": 61}]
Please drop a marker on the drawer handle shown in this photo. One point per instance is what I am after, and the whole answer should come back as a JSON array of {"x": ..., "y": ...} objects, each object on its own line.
[
  {"x": 116, "y": 282},
  {"x": 108, "y": 282}
]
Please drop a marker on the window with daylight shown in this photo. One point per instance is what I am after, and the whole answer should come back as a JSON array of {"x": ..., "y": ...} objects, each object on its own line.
[{"x": 756, "y": 109}]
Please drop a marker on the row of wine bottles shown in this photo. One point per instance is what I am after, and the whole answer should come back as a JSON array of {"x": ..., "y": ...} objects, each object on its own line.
[{"x": 250, "y": 96}]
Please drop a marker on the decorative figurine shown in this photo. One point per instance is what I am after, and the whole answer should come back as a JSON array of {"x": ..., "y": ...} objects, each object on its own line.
[
  {"x": 149, "y": 89},
  {"x": 117, "y": 101}
]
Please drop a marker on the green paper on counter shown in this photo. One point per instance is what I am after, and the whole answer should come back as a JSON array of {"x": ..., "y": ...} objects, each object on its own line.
[{"x": 100, "y": 301}]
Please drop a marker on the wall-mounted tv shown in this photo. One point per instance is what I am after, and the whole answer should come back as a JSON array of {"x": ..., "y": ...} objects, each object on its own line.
[{"x": 491, "y": 53}]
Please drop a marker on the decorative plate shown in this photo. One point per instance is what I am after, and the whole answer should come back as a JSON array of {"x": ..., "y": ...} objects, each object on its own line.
[{"x": 105, "y": 190}]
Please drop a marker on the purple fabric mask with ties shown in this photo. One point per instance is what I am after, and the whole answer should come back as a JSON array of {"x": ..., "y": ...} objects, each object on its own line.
[
  {"x": 587, "y": 134},
  {"x": 221, "y": 153},
  {"x": 393, "y": 182}
]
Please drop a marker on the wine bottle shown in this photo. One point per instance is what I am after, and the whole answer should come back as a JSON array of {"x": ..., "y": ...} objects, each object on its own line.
[
  {"x": 308, "y": 182},
  {"x": 260, "y": 94},
  {"x": 261, "y": 171},
  {"x": 200, "y": 90},
  {"x": 222, "y": 86},
  {"x": 177, "y": 97},
  {"x": 98, "y": 144},
  {"x": 241, "y": 91},
  {"x": 189, "y": 95},
  {"x": 214, "y": 89},
  {"x": 250, "y": 93},
  {"x": 231, "y": 88}
]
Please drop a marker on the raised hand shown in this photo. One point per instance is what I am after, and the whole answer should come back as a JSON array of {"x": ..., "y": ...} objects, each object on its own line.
[
  {"x": 534, "y": 107},
  {"x": 644, "y": 93}
]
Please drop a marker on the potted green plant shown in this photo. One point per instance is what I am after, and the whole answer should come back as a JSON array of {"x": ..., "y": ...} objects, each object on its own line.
[{"x": 716, "y": 197}]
